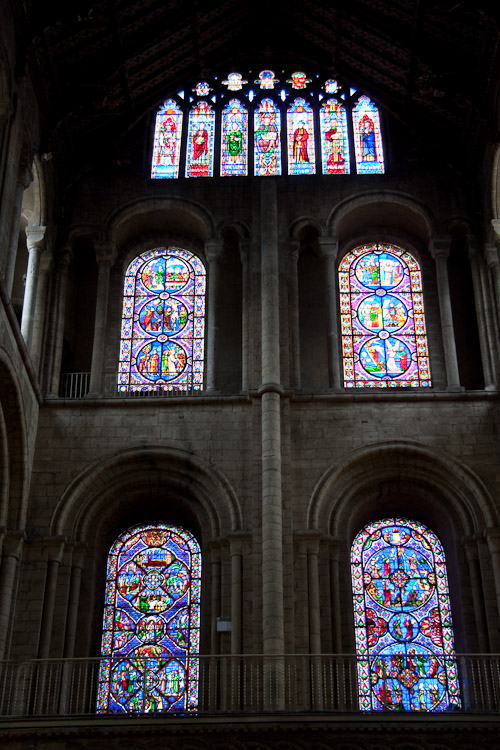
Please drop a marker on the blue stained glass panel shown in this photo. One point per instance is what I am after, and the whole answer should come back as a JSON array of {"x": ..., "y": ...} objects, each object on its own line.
[
  {"x": 367, "y": 137},
  {"x": 200, "y": 141},
  {"x": 167, "y": 141},
  {"x": 301, "y": 145},
  {"x": 267, "y": 151},
  {"x": 334, "y": 138},
  {"x": 234, "y": 140}
]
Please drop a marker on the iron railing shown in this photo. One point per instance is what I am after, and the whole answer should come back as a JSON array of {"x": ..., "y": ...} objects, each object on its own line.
[{"x": 236, "y": 684}]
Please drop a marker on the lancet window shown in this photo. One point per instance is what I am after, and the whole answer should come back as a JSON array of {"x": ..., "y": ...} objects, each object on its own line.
[
  {"x": 384, "y": 339},
  {"x": 163, "y": 322},
  {"x": 403, "y": 628},
  {"x": 150, "y": 641}
]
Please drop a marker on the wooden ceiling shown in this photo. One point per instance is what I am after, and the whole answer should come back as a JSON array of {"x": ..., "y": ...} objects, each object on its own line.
[{"x": 101, "y": 65}]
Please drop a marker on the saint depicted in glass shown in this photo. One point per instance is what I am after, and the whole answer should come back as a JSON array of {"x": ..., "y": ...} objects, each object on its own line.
[
  {"x": 162, "y": 337},
  {"x": 301, "y": 151},
  {"x": 167, "y": 142},
  {"x": 200, "y": 141},
  {"x": 404, "y": 635},
  {"x": 234, "y": 140},
  {"x": 382, "y": 318},
  {"x": 151, "y": 628},
  {"x": 267, "y": 123},
  {"x": 334, "y": 138},
  {"x": 367, "y": 137}
]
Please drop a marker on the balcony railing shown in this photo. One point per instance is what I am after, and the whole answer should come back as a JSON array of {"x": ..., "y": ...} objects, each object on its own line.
[{"x": 236, "y": 684}]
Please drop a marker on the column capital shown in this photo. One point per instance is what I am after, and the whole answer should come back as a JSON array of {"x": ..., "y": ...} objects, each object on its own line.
[
  {"x": 53, "y": 547},
  {"x": 473, "y": 246},
  {"x": 469, "y": 544},
  {"x": 13, "y": 544},
  {"x": 495, "y": 223},
  {"x": 5, "y": 110},
  {"x": 239, "y": 543},
  {"x": 213, "y": 250},
  {"x": 46, "y": 261},
  {"x": 492, "y": 535},
  {"x": 293, "y": 247},
  {"x": 308, "y": 541},
  {"x": 105, "y": 253},
  {"x": 328, "y": 247},
  {"x": 244, "y": 249},
  {"x": 439, "y": 246},
  {"x": 35, "y": 237},
  {"x": 491, "y": 254}
]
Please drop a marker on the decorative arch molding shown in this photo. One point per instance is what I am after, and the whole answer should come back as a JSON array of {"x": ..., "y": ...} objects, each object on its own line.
[
  {"x": 140, "y": 473},
  {"x": 239, "y": 228},
  {"x": 456, "y": 489},
  {"x": 304, "y": 223}
]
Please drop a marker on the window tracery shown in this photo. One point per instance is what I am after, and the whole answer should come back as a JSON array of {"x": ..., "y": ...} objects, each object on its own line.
[{"x": 402, "y": 619}]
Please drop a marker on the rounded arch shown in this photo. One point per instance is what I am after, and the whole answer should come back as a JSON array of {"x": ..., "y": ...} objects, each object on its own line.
[
  {"x": 374, "y": 480},
  {"x": 126, "y": 486},
  {"x": 306, "y": 224}
]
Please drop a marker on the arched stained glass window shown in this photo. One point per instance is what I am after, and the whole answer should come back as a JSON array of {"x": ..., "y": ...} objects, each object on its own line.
[
  {"x": 402, "y": 618},
  {"x": 334, "y": 138},
  {"x": 367, "y": 137},
  {"x": 234, "y": 140},
  {"x": 267, "y": 123},
  {"x": 167, "y": 141},
  {"x": 162, "y": 336},
  {"x": 151, "y": 622},
  {"x": 382, "y": 317},
  {"x": 200, "y": 141},
  {"x": 301, "y": 147}
]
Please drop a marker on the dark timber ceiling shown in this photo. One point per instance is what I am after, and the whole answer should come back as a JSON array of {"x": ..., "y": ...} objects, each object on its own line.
[{"x": 101, "y": 65}]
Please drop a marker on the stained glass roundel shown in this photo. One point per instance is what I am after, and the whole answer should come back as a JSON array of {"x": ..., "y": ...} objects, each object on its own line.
[
  {"x": 150, "y": 639},
  {"x": 404, "y": 635},
  {"x": 163, "y": 322},
  {"x": 382, "y": 312}
]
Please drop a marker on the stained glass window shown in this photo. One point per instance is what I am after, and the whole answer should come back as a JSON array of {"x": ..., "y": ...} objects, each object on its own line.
[
  {"x": 167, "y": 141},
  {"x": 334, "y": 138},
  {"x": 267, "y": 122},
  {"x": 234, "y": 140},
  {"x": 162, "y": 336},
  {"x": 151, "y": 622},
  {"x": 367, "y": 137},
  {"x": 402, "y": 617},
  {"x": 301, "y": 151},
  {"x": 200, "y": 141},
  {"x": 382, "y": 318}
]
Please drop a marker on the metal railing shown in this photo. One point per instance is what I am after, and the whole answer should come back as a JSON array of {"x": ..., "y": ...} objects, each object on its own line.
[
  {"x": 236, "y": 684},
  {"x": 74, "y": 384}
]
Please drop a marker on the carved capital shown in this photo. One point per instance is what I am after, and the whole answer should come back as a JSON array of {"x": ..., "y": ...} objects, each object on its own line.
[
  {"x": 53, "y": 547},
  {"x": 293, "y": 248},
  {"x": 439, "y": 247},
  {"x": 328, "y": 247},
  {"x": 495, "y": 223},
  {"x": 491, "y": 253},
  {"x": 35, "y": 237},
  {"x": 239, "y": 543},
  {"x": 492, "y": 535},
  {"x": 13, "y": 544},
  {"x": 105, "y": 253},
  {"x": 213, "y": 249}
]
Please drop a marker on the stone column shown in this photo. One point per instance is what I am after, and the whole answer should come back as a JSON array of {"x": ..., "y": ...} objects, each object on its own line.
[
  {"x": 40, "y": 309},
  {"x": 328, "y": 249},
  {"x": 482, "y": 317},
  {"x": 492, "y": 259},
  {"x": 54, "y": 548},
  {"x": 215, "y": 554},
  {"x": 293, "y": 313},
  {"x": 213, "y": 252},
  {"x": 472, "y": 555},
  {"x": 11, "y": 556},
  {"x": 245, "y": 305},
  {"x": 57, "y": 320},
  {"x": 77, "y": 562},
  {"x": 493, "y": 539},
  {"x": 105, "y": 257},
  {"x": 35, "y": 238},
  {"x": 440, "y": 250},
  {"x": 23, "y": 182},
  {"x": 238, "y": 548}
]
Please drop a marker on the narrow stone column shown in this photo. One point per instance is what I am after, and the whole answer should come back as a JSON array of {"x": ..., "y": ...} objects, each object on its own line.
[
  {"x": 213, "y": 252},
  {"x": 440, "y": 250},
  {"x": 11, "y": 555},
  {"x": 238, "y": 547},
  {"x": 293, "y": 314},
  {"x": 493, "y": 539},
  {"x": 57, "y": 320},
  {"x": 35, "y": 238},
  {"x": 23, "y": 182},
  {"x": 245, "y": 306},
  {"x": 54, "y": 548},
  {"x": 215, "y": 589},
  {"x": 314, "y": 597},
  {"x": 472, "y": 555},
  {"x": 77, "y": 562},
  {"x": 482, "y": 318},
  {"x": 105, "y": 257},
  {"x": 328, "y": 249},
  {"x": 492, "y": 259},
  {"x": 40, "y": 309},
  {"x": 336, "y": 608}
]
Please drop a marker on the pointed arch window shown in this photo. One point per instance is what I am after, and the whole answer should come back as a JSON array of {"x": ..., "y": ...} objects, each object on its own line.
[
  {"x": 367, "y": 137},
  {"x": 200, "y": 141},
  {"x": 334, "y": 138},
  {"x": 167, "y": 141},
  {"x": 163, "y": 322},
  {"x": 151, "y": 627},
  {"x": 384, "y": 340},
  {"x": 403, "y": 628},
  {"x": 301, "y": 145},
  {"x": 234, "y": 140},
  {"x": 267, "y": 151}
]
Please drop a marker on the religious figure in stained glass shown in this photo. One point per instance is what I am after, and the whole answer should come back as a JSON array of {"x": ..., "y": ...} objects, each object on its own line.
[
  {"x": 334, "y": 138},
  {"x": 162, "y": 337},
  {"x": 367, "y": 137},
  {"x": 403, "y": 628},
  {"x": 150, "y": 639},
  {"x": 234, "y": 140},
  {"x": 167, "y": 141},
  {"x": 301, "y": 151},
  {"x": 267, "y": 123},
  {"x": 200, "y": 141},
  {"x": 382, "y": 319}
]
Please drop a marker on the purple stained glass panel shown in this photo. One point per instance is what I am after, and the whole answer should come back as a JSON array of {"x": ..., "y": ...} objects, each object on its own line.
[
  {"x": 162, "y": 338},
  {"x": 403, "y": 628},
  {"x": 151, "y": 622},
  {"x": 382, "y": 319}
]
